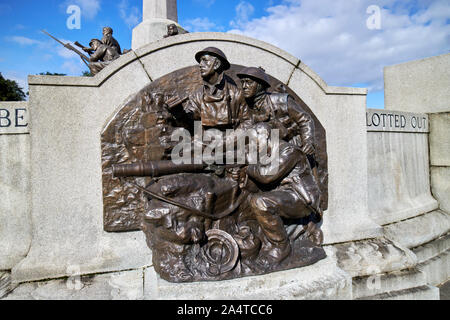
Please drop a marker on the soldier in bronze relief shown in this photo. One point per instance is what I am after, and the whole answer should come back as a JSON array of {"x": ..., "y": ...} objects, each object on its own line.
[
  {"x": 219, "y": 103},
  {"x": 222, "y": 220}
]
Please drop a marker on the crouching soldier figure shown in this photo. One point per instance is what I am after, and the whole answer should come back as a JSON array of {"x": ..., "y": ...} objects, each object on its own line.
[{"x": 288, "y": 192}]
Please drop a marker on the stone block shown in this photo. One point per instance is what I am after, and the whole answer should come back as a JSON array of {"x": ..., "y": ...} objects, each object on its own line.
[
  {"x": 368, "y": 286},
  {"x": 15, "y": 209},
  {"x": 440, "y": 139},
  {"x": 320, "y": 281},
  {"x": 437, "y": 268},
  {"x": 398, "y": 176},
  {"x": 432, "y": 249},
  {"x": 440, "y": 186},
  {"x": 5, "y": 284},
  {"x": 414, "y": 232},
  {"x": 371, "y": 257},
  {"x": 418, "y": 86},
  {"x": 126, "y": 285},
  {"x": 343, "y": 115},
  {"x": 151, "y": 31},
  {"x": 14, "y": 118},
  {"x": 66, "y": 193},
  {"x": 418, "y": 293}
]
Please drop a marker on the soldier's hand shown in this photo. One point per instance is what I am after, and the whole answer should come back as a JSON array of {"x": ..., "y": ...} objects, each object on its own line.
[{"x": 308, "y": 149}]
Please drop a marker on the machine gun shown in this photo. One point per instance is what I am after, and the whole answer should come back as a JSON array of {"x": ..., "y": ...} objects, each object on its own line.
[
  {"x": 68, "y": 46},
  {"x": 166, "y": 167},
  {"x": 155, "y": 169}
]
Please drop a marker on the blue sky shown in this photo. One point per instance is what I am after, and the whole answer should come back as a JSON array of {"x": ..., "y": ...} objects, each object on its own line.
[{"x": 339, "y": 39}]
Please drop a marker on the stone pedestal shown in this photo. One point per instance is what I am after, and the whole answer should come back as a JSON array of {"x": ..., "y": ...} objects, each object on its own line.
[
  {"x": 157, "y": 15},
  {"x": 323, "y": 280},
  {"x": 150, "y": 31}
]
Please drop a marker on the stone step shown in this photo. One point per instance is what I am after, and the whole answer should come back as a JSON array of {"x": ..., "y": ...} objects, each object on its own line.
[
  {"x": 371, "y": 257},
  {"x": 418, "y": 293},
  {"x": 417, "y": 231},
  {"x": 432, "y": 249},
  {"x": 387, "y": 282},
  {"x": 437, "y": 268}
]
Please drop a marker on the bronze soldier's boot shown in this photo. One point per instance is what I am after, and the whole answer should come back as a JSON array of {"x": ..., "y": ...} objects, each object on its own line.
[{"x": 277, "y": 246}]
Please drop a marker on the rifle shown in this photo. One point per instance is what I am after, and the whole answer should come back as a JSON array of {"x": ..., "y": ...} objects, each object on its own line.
[
  {"x": 68, "y": 46},
  {"x": 86, "y": 49}
]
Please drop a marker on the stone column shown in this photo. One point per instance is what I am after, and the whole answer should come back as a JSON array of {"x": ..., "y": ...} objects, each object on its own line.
[
  {"x": 160, "y": 9},
  {"x": 157, "y": 15}
]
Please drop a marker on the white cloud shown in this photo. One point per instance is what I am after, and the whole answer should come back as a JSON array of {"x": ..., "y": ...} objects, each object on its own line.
[
  {"x": 130, "y": 15},
  {"x": 333, "y": 39},
  {"x": 89, "y": 8},
  {"x": 24, "y": 41},
  {"x": 244, "y": 10},
  {"x": 199, "y": 25}
]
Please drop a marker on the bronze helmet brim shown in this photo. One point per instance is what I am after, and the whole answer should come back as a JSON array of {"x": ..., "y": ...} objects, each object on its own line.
[
  {"x": 256, "y": 74},
  {"x": 214, "y": 52}
]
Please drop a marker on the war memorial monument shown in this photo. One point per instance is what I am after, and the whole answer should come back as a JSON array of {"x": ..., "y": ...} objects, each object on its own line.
[{"x": 216, "y": 166}]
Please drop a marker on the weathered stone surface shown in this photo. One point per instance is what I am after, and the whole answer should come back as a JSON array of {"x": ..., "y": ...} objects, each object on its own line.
[
  {"x": 127, "y": 285},
  {"x": 440, "y": 186},
  {"x": 437, "y": 268},
  {"x": 432, "y": 249},
  {"x": 398, "y": 176},
  {"x": 369, "y": 286},
  {"x": 15, "y": 215},
  {"x": 418, "y": 293},
  {"x": 342, "y": 115},
  {"x": 370, "y": 257},
  {"x": 418, "y": 86},
  {"x": 14, "y": 118},
  {"x": 320, "y": 281},
  {"x": 5, "y": 283},
  {"x": 152, "y": 30},
  {"x": 414, "y": 232},
  {"x": 238, "y": 49},
  {"x": 440, "y": 139},
  {"x": 66, "y": 193}
]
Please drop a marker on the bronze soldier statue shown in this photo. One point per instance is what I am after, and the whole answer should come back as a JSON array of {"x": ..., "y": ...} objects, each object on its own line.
[
  {"x": 296, "y": 193},
  {"x": 219, "y": 103},
  {"x": 103, "y": 55},
  {"x": 172, "y": 30},
  {"x": 109, "y": 40},
  {"x": 220, "y": 221},
  {"x": 288, "y": 191},
  {"x": 280, "y": 109}
]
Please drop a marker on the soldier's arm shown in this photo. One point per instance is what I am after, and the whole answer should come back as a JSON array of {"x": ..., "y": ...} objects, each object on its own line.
[
  {"x": 244, "y": 120},
  {"x": 304, "y": 122},
  {"x": 98, "y": 54},
  {"x": 192, "y": 107},
  {"x": 272, "y": 172}
]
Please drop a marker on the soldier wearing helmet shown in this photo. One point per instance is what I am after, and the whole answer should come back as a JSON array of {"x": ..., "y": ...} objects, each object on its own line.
[
  {"x": 280, "y": 109},
  {"x": 219, "y": 103}
]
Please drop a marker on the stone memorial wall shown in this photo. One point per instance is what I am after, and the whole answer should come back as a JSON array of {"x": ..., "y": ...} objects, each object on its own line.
[
  {"x": 398, "y": 165},
  {"x": 385, "y": 229},
  {"x": 15, "y": 224}
]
